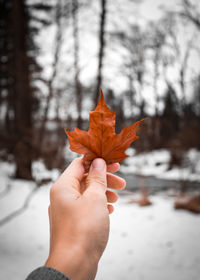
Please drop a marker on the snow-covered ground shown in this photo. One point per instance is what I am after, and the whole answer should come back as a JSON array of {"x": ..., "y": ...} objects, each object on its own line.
[
  {"x": 156, "y": 164},
  {"x": 154, "y": 242}
]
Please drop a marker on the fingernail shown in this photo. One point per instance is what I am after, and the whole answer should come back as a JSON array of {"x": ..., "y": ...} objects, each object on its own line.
[{"x": 98, "y": 164}]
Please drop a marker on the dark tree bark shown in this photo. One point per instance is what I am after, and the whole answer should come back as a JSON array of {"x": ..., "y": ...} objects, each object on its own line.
[
  {"x": 102, "y": 45},
  {"x": 6, "y": 70},
  {"x": 18, "y": 71},
  {"x": 23, "y": 92}
]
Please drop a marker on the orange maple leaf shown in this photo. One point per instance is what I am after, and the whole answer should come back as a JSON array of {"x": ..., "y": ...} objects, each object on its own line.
[{"x": 101, "y": 141}]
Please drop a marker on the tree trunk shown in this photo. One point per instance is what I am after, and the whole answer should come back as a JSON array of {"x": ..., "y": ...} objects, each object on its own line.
[
  {"x": 78, "y": 88},
  {"x": 101, "y": 49},
  {"x": 58, "y": 42},
  {"x": 183, "y": 70},
  {"x": 23, "y": 92},
  {"x": 155, "y": 81}
]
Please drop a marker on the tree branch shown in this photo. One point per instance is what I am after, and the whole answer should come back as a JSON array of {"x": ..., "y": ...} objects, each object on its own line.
[
  {"x": 19, "y": 211},
  {"x": 5, "y": 191}
]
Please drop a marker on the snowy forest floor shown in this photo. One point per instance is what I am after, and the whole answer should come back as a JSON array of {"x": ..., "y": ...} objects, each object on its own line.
[
  {"x": 145, "y": 243},
  {"x": 157, "y": 163}
]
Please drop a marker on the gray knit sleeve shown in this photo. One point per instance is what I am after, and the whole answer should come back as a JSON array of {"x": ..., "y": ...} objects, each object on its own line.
[{"x": 46, "y": 273}]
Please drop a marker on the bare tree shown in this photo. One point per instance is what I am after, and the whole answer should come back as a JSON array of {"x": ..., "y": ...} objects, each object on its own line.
[
  {"x": 133, "y": 66},
  {"x": 78, "y": 86},
  {"x": 157, "y": 41},
  {"x": 50, "y": 82},
  {"x": 102, "y": 45},
  {"x": 23, "y": 92},
  {"x": 182, "y": 73},
  {"x": 181, "y": 54},
  {"x": 191, "y": 12}
]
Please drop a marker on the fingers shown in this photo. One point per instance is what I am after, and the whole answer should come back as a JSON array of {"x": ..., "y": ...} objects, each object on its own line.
[
  {"x": 110, "y": 208},
  {"x": 75, "y": 169},
  {"x": 72, "y": 175},
  {"x": 112, "y": 197},
  {"x": 115, "y": 182},
  {"x": 114, "y": 167},
  {"x": 96, "y": 181}
]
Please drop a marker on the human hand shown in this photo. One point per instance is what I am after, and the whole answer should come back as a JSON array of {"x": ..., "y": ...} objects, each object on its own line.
[{"x": 79, "y": 217}]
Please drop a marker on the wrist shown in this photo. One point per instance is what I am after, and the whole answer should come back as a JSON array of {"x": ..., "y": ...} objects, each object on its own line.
[{"x": 74, "y": 263}]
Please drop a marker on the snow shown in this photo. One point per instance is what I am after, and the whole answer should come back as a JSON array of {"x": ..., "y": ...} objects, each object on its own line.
[
  {"x": 156, "y": 164},
  {"x": 40, "y": 172},
  {"x": 154, "y": 242}
]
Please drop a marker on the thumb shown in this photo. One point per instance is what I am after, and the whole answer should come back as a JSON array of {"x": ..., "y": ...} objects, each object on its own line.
[{"x": 96, "y": 180}]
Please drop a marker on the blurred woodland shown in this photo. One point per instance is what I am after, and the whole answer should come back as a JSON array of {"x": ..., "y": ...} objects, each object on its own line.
[{"x": 55, "y": 55}]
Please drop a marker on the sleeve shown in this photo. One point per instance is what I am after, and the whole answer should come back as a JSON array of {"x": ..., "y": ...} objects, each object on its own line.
[{"x": 46, "y": 273}]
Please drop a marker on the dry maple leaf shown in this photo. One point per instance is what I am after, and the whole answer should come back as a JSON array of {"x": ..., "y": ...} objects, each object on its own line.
[{"x": 101, "y": 141}]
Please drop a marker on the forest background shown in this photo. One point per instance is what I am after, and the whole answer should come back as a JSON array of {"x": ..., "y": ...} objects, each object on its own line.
[{"x": 55, "y": 55}]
